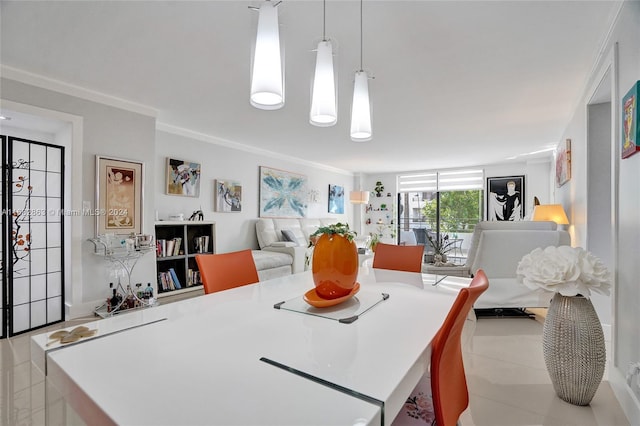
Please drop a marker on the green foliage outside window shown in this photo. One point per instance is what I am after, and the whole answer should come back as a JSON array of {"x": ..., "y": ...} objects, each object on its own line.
[{"x": 459, "y": 211}]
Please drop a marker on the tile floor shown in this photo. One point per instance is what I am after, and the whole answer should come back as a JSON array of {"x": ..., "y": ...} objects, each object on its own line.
[{"x": 508, "y": 382}]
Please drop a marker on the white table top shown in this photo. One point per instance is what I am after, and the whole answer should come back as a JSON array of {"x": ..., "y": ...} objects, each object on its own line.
[{"x": 198, "y": 361}]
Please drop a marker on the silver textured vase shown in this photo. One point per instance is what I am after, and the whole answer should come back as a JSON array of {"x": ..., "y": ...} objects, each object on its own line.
[{"x": 574, "y": 350}]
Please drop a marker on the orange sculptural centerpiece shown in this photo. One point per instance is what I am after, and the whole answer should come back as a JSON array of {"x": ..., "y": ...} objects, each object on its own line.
[{"x": 335, "y": 265}]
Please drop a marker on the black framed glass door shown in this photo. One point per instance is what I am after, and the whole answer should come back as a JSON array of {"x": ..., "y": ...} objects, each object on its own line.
[{"x": 32, "y": 285}]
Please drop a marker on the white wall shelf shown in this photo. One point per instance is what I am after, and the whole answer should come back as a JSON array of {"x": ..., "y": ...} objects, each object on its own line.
[{"x": 380, "y": 218}]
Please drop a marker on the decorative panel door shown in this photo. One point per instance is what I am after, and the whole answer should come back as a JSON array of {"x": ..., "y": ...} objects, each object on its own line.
[{"x": 33, "y": 235}]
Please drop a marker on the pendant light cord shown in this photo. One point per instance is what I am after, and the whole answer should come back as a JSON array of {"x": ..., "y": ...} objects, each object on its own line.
[
  {"x": 324, "y": 20},
  {"x": 361, "y": 35}
]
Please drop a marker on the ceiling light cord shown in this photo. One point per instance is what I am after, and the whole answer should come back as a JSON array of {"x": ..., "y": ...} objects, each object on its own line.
[
  {"x": 324, "y": 20},
  {"x": 361, "y": 44}
]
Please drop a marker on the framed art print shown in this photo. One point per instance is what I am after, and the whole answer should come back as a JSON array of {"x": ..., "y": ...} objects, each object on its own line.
[
  {"x": 563, "y": 163},
  {"x": 183, "y": 178},
  {"x": 336, "y": 199},
  {"x": 282, "y": 193},
  {"x": 119, "y": 185},
  {"x": 505, "y": 198},
  {"x": 228, "y": 196},
  {"x": 630, "y": 117}
]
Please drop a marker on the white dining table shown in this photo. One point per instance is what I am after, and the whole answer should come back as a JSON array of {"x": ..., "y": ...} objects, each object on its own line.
[{"x": 256, "y": 355}]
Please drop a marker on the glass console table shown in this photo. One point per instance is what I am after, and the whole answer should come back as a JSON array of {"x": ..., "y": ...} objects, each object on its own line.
[{"x": 125, "y": 257}]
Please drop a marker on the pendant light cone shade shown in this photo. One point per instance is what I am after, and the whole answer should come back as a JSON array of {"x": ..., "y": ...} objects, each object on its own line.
[
  {"x": 323, "y": 98},
  {"x": 267, "y": 82},
  {"x": 360, "y": 109}
]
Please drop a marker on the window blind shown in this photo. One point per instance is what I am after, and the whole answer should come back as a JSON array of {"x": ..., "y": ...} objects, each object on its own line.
[{"x": 449, "y": 180}]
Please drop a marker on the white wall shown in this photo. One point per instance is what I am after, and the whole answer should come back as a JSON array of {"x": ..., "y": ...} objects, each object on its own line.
[
  {"x": 625, "y": 317},
  {"x": 107, "y": 131},
  {"x": 236, "y": 231}
]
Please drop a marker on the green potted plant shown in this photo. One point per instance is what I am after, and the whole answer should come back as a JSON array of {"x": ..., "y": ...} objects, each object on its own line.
[
  {"x": 441, "y": 246},
  {"x": 379, "y": 188},
  {"x": 341, "y": 229},
  {"x": 373, "y": 242}
]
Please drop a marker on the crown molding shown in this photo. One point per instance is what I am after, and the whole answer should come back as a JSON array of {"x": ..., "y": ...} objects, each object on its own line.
[
  {"x": 181, "y": 131},
  {"x": 73, "y": 90}
]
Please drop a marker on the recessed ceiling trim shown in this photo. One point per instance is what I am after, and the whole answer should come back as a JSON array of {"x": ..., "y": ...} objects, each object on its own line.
[
  {"x": 73, "y": 90},
  {"x": 181, "y": 131}
]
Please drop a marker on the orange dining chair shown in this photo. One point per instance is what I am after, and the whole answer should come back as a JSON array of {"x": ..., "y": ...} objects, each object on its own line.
[
  {"x": 442, "y": 395},
  {"x": 398, "y": 258},
  {"x": 222, "y": 271}
]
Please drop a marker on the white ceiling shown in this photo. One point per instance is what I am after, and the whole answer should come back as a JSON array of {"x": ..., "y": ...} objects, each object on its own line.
[{"x": 457, "y": 83}]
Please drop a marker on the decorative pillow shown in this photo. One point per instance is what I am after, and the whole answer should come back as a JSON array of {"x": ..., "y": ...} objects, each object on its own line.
[{"x": 287, "y": 234}]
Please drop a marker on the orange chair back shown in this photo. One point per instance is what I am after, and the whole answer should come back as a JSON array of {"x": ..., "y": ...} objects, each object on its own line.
[
  {"x": 398, "y": 258},
  {"x": 448, "y": 382},
  {"x": 226, "y": 270}
]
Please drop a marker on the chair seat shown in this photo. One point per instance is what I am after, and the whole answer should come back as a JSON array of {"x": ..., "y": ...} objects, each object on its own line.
[{"x": 418, "y": 409}]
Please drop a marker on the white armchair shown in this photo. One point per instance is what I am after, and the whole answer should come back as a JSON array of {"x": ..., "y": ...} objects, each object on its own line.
[{"x": 497, "y": 247}]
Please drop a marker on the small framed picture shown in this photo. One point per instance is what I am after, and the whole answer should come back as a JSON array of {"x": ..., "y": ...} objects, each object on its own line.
[
  {"x": 228, "y": 196},
  {"x": 505, "y": 198},
  {"x": 336, "y": 199},
  {"x": 183, "y": 178},
  {"x": 563, "y": 163},
  {"x": 119, "y": 204},
  {"x": 630, "y": 118}
]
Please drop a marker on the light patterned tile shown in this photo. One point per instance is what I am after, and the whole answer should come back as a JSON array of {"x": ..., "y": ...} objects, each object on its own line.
[{"x": 509, "y": 370}]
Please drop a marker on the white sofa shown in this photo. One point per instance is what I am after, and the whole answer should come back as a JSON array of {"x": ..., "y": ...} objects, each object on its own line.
[
  {"x": 272, "y": 264},
  {"x": 272, "y": 240},
  {"x": 497, "y": 247}
]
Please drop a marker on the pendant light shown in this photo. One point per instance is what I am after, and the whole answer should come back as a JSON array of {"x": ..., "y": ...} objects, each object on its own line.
[
  {"x": 267, "y": 79},
  {"x": 323, "y": 111},
  {"x": 360, "y": 107},
  {"x": 359, "y": 197}
]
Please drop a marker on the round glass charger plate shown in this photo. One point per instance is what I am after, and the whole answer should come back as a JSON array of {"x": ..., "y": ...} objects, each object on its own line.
[{"x": 312, "y": 298}]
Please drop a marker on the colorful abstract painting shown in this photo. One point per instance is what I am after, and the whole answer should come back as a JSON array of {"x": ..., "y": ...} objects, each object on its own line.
[
  {"x": 282, "y": 193},
  {"x": 183, "y": 178},
  {"x": 228, "y": 196}
]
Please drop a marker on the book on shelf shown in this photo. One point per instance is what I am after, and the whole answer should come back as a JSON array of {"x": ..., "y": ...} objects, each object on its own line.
[
  {"x": 174, "y": 278},
  {"x": 170, "y": 245},
  {"x": 193, "y": 277},
  {"x": 168, "y": 280},
  {"x": 163, "y": 282},
  {"x": 177, "y": 244},
  {"x": 165, "y": 248}
]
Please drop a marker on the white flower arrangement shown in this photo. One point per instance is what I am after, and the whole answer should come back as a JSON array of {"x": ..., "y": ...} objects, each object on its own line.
[{"x": 566, "y": 270}]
